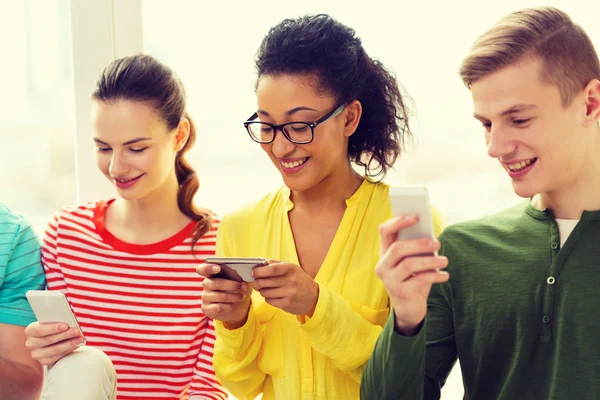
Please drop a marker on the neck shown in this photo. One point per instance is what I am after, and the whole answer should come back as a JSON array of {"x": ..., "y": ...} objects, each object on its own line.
[
  {"x": 570, "y": 201},
  {"x": 333, "y": 191},
  {"x": 156, "y": 211}
]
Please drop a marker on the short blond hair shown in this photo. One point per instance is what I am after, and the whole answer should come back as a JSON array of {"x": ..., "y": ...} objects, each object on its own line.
[{"x": 569, "y": 59}]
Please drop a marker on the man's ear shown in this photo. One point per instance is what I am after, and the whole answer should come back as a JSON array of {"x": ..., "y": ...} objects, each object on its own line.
[{"x": 592, "y": 102}]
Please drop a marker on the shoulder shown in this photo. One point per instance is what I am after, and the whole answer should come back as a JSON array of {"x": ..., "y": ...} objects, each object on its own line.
[
  {"x": 86, "y": 210},
  {"x": 15, "y": 228},
  {"x": 484, "y": 229},
  {"x": 76, "y": 213},
  {"x": 256, "y": 211},
  {"x": 76, "y": 218},
  {"x": 11, "y": 222}
]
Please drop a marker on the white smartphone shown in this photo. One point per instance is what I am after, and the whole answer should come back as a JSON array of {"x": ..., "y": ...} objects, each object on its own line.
[
  {"x": 413, "y": 200},
  {"x": 52, "y": 306},
  {"x": 236, "y": 268}
]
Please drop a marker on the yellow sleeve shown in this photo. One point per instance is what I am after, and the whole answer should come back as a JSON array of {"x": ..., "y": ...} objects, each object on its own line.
[
  {"x": 439, "y": 222},
  {"x": 235, "y": 358},
  {"x": 340, "y": 333}
]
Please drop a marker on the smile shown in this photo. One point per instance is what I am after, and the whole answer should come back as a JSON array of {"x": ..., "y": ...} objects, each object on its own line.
[
  {"x": 519, "y": 166},
  {"x": 121, "y": 180},
  {"x": 124, "y": 183},
  {"x": 294, "y": 164}
]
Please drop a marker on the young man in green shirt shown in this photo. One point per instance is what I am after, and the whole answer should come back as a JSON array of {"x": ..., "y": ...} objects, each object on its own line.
[
  {"x": 20, "y": 270},
  {"x": 517, "y": 303}
]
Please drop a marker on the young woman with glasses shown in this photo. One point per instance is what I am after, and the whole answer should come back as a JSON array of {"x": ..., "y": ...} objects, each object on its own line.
[{"x": 307, "y": 325}]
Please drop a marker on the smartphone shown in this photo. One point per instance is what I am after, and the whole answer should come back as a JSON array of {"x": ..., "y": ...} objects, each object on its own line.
[
  {"x": 52, "y": 306},
  {"x": 413, "y": 200},
  {"x": 236, "y": 268}
]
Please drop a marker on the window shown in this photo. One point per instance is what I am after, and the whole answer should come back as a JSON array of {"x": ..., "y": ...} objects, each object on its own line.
[{"x": 37, "y": 174}]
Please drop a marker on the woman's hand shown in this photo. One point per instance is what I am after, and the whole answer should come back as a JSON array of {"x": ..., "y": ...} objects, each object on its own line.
[
  {"x": 288, "y": 287},
  {"x": 48, "y": 343},
  {"x": 223, "y": 299}
]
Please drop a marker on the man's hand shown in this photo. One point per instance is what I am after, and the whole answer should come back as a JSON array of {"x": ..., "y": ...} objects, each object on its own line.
[{"x": 408, "y": 269}]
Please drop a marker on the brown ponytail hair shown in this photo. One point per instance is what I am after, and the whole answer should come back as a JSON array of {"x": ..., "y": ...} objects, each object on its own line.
[{"x": 142, "y": 78}]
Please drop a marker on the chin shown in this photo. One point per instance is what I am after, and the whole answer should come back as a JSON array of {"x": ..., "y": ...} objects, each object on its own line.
[
  {"x": 525, "y": 190},
  {"x": 297, "y": 185},
  {"x": 130, "y": 194}
]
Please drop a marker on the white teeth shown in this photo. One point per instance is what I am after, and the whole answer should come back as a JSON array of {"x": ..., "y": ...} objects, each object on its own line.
[
  {"x": 293, "y": 164},
  {"x": 520, "y": 165}
]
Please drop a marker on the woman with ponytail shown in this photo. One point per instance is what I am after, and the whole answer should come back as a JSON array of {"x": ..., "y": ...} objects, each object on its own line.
[
  {"x": 127, "y": 265},
  {"x": 306, "y": 327}
]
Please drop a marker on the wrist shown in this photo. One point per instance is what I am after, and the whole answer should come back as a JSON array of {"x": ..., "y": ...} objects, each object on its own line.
[
  {"x": 312, "y": 309},
  {"x": 238, "y": 323},
  {"x": 232, "y": 325},
  {"x": 407, "y": 328}
]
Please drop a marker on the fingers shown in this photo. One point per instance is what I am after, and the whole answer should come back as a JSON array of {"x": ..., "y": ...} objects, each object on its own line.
[
  {"x": 224, "y": 285},
  {"x": 35, "y": 329},
  {"x": 278, "y": 281},
  {"x": 399, "y": 250},
  {"x": 222, "y": 297},
  {"x": 273, "y": 270},
  {"x": 416, "y": 287},
  {"x": 388, "y": 231},
  {"x": 51, "y": 354},
  {"x": 207, "y": 270},
  {"x": 419, "y": 282},
  {"x": 411, "y": 266},
  {"x": 283, "y": 303},
  {"x": 51, "y": 348},
  {"x": 215, "y": 310},
  {"x": 34, "y": 342},
  {"x": 277, "y": 292}
]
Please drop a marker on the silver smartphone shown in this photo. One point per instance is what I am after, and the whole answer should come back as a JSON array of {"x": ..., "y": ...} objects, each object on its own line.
[
  {"x": 414, "y": 200},
  {"x": 236, "y": 268},
  {"x": 51, "y": 306}
]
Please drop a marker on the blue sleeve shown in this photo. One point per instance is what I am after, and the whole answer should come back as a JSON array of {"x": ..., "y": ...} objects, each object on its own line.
[{"x": 22, "y": 271}]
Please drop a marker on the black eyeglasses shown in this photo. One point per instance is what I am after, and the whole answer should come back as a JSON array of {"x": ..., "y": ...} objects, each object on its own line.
[{"x": 295, "y": 132}]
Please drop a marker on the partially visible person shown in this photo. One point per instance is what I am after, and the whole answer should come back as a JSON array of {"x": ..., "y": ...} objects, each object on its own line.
[
  {"x": 308, "y": 324},
  {"x": 20, "y": 270},
  {"x": 518, "y": 305},
  {"x": 127, "y": 265}
]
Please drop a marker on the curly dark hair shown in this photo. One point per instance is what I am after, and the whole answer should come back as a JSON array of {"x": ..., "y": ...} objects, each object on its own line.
[{"x": 331, "y": 51}]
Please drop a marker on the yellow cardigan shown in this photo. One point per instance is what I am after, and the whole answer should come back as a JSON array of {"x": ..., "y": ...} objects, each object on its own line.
[{"x": 324, "y": 357}]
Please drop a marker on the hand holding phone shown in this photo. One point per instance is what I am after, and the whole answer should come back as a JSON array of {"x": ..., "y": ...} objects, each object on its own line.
[
  {"x": 409, "y": 264},
  {"x": 413, "y": 200},
  {"x": 236, "y": 268},
  {"x": 57, "y": 332},
  {"x": 226, "y": 295}
]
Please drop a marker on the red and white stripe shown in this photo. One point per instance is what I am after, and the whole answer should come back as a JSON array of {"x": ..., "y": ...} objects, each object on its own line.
[{"x": 141, "y": 306}]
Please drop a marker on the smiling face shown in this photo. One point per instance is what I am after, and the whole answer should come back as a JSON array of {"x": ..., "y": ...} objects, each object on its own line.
[
  {"x": 135, "y": 149},
  {"x": 542, "y": 144},
  {"x": 292, "y": 98}
]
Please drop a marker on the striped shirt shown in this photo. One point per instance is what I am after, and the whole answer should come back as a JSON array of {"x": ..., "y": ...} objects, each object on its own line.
[
  {"x": 140, "y": 304},
  {"x": 20, "y": 268}
]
